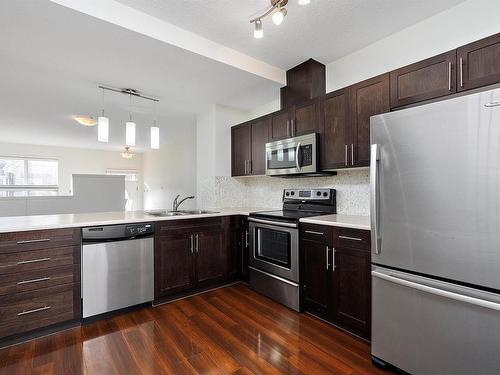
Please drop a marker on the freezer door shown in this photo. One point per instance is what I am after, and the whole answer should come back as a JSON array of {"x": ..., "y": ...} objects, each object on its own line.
[
  {"x": 436, "y": 189},
  {"x": 424, "y": 326}
]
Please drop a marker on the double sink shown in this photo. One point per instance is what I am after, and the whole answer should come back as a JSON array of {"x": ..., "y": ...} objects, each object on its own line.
[{"x": 164, "y": 213}]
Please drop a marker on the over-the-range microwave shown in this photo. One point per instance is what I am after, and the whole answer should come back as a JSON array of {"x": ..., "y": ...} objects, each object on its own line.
[{"x": 293, "y": 156}]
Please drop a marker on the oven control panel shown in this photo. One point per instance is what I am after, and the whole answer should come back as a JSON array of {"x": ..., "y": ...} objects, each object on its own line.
[{"x": 306, "y": 194}]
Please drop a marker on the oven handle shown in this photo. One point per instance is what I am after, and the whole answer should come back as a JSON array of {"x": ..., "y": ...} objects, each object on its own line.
[
  {"x": 274, "y": 276},
  {"x": 276, "y": 223}
]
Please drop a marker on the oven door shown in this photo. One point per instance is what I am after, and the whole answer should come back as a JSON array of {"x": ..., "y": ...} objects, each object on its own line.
[
  {"x": 275, "y": 247},
  {"x": 291, "y": 156}
]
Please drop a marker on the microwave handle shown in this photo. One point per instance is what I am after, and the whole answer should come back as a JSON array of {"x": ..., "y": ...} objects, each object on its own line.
[{"x": 298, "y": 162}]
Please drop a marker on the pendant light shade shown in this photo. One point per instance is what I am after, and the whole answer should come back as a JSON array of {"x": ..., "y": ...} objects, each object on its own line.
[
  {"x": 155, "y": 137},
  {"x": 103, "y": 129},
  {"x": 130, "y": 133},
  {"x": 258, "y": 33}
]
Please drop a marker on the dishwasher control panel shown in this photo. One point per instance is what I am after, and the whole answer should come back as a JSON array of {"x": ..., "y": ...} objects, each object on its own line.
[{"x": 116, "y": 232}]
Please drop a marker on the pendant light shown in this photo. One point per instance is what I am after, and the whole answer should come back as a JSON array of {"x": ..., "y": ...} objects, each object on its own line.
[
  {"x": 258, "y": 33},
  {"x": 130, "y": 127},
  {"x": 279, "y": 16},
  {"x": 155, "y": 134},
  {"x": 103, "y": 125}
]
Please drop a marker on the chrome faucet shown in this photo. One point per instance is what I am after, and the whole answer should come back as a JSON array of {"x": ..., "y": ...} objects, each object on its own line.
[{"x": 176, "y": 204}]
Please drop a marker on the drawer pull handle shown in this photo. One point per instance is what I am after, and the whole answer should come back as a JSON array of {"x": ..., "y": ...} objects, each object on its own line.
[
  {"x": 33, "y": 311},
  {"x": 351, "y": 238},
  {"x": 33, "y": 241},
  {"x": 313, "y": 232},
  {"x": 33, "y": 261},
  {"x": 33, "y": 281}
]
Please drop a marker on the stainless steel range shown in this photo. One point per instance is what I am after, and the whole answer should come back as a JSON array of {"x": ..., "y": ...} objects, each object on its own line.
[{"x": 274, "y": 243}]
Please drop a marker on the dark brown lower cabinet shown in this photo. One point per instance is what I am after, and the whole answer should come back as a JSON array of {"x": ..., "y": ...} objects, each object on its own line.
[
  {"x": 194, "y": 254},
  {"x": 336, "y": 278},
  {"x": 352, "y": 284},
  {"x": 238, "y": 252}
]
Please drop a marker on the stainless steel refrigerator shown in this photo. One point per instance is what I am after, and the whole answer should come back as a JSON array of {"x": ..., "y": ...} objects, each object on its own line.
[{"x": 435, "y": 223}]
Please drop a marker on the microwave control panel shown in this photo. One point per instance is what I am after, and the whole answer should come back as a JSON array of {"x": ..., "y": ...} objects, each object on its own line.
[{"x": 307, "y": 155}]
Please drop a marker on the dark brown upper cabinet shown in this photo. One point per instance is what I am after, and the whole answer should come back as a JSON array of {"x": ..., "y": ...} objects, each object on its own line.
[
  {"x": 248, "y": 147},
  {"x": 427, "y": 79},
  {"x": 368, "y": 98},
  {"x": 297, "y": 120},
  {"x": 334, "y": 130},
  {"x": 280, "y": 125},
  {"x": 241, "y": 149},
  {"x": 479, "y": 63}
]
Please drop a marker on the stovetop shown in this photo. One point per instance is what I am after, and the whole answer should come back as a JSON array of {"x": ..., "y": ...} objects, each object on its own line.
[{"x": 286, "y": 215}]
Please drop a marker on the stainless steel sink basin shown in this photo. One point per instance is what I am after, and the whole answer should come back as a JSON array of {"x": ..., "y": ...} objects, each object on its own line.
[
  {"x": 198, "y": 212},
  {"x": 164, "y": 213}
]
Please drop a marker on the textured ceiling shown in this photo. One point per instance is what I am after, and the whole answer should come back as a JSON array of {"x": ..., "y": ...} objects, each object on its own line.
[{"x": 324, "y": 30}]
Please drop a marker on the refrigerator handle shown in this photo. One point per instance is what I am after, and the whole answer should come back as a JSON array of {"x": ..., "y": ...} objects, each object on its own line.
[
  {"x": 438, "y": 292},
  {"x": 374, "y": 196}
]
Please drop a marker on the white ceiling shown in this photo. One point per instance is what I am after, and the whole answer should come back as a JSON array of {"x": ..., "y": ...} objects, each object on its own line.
[
  {"x": 324, "y": 30},
  {"x": 52, "y": 58}
]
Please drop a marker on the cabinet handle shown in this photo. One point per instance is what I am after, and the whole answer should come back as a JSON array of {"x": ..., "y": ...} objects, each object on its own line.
[
  {"x": 288, "y": 128},
  {"x": 32, "y": 241},
  {"x": 246, "y": 171},
  {"x": 250, "y": 167},
  {"x": 345, "y": 156},
  {"x": 461, "y": 72},
  {"x": 351, "y": 238},
  {"x": 327, "y": 256},
  {"x": 191, "y": 243},
  {"x": 449, "y": 76},
  {"x": 33, "y": 311},
  {"x": 196, "y": 239},
  {"x": 352, "y": 154},
  {"x": 313, "y": 232},
  {"x": 333, "y": 259},
  {"x": 292, "y": 127},
  {"x": 33, "y": 261},
  {"x": 33, "y": 281},
  {"x": 246, "y": 238}
]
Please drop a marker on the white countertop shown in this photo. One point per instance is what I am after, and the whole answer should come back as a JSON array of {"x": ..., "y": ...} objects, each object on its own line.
[
  {"x": 24, "y": 223},
  {"x": 346, "y": 221}
]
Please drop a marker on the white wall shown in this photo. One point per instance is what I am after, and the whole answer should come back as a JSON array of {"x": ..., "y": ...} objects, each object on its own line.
[
  {"x": 462, "y": 24},
  {"x": 171, "y": 170},
  {"x": 213, "y": 141},
  {"x": 74, "y": 161}
]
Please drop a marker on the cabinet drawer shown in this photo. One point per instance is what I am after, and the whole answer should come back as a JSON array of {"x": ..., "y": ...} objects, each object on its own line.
[
  {"x": 38, "y": 259},
  {"x": 354, "y": 238},
  {"x": 174, "y": 227},
  {"x": 39, "y": 239},
  {"x": 24, "y": 312},
  {"x": 32, "y": 280},
  {"x": 318, "y": 233}
]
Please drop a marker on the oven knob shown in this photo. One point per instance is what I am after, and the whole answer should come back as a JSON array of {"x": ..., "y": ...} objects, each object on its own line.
[
  {"x": 318, "y": 193},
  {"x": 293, "y": 193},
  {"x": 287, "y": 193},
  {"x": 325, "y": 194}
]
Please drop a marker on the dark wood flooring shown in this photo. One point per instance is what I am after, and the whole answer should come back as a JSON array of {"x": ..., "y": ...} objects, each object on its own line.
[{"x": 232, "y": 330}]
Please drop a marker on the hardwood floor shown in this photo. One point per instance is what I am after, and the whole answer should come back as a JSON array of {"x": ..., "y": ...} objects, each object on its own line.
[{"x": 232, "y": 330}]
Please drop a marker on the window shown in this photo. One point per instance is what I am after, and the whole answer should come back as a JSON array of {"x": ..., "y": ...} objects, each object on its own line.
[{"x": 26, "y": 177}]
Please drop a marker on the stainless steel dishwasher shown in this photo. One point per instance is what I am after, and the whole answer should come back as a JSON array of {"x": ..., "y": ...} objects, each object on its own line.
[{"x": 117, "y": 267}]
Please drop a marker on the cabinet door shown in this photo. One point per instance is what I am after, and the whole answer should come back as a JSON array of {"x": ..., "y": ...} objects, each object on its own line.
[
  {"x": 173, "y": 264},
  {"x": 479, "y": 63},
  {"x": 240, "y": 149},
  {"x": 424, "y": 80},
  {"x": 260, "y": 136},
  {"x": 368, "y": 98},
  {"x": 316, "y": 286},
  {"x": 280, "y": 125},
  {"x": 306, "y": 118},
  {"x": 351, "y": 297},
  {"x": 211, "y": 257},
  {"x": 334, "y": 130}
]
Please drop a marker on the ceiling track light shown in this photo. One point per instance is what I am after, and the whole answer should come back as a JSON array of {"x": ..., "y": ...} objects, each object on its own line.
[{"x": 278, "y": 11}]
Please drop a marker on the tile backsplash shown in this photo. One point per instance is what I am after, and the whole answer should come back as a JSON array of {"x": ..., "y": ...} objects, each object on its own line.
[{"x": 353, "y": 194}]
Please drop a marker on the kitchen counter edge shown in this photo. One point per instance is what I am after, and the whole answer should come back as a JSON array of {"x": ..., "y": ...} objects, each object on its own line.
[{"x": 344, "y": 221}]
